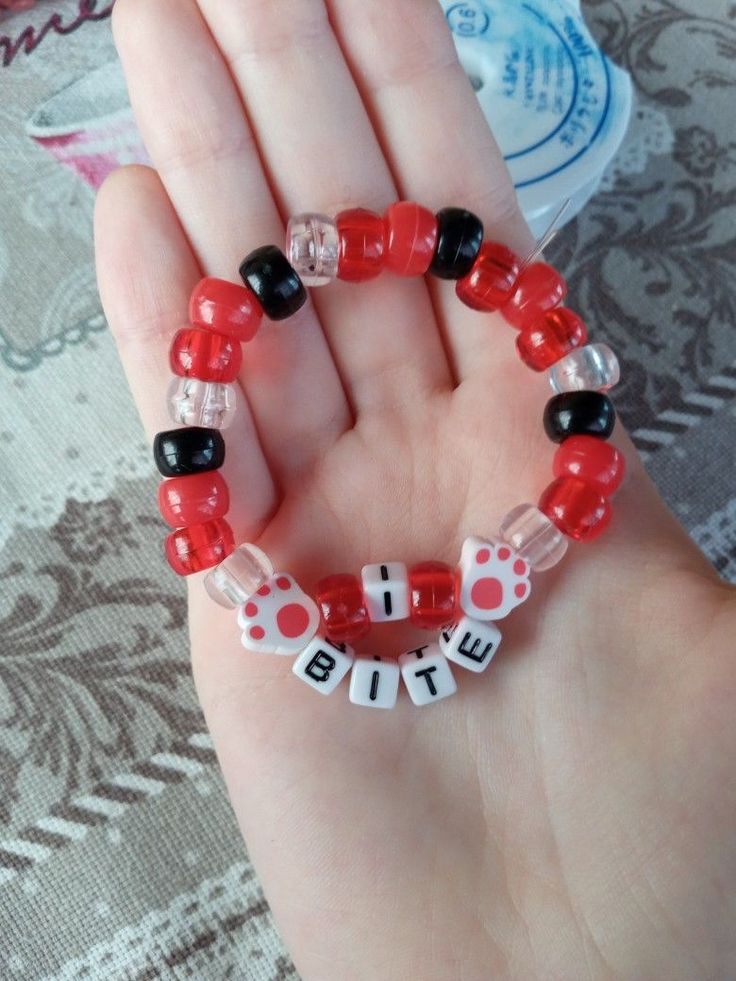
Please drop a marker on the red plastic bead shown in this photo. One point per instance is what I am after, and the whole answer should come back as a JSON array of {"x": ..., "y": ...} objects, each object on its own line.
[
  {"x": 594, "y": 460},
  {"x": 344, "y": 613},
  {"x": 361, "y": 237},
  {"x": 191, "y": 500},
  {"x": 199, "y": 547},
  {"x": 201, "y": 354},
  {"x": 491, "y": 281},
  {"x": 550, "y": 338},
  {"x": 225, "y": 308},
  {"x": 410, "y": 238},
  {"x": 539, "y": 288},
  {"x": 432, "y": 595},
  {"x": 576, "y": 507}
]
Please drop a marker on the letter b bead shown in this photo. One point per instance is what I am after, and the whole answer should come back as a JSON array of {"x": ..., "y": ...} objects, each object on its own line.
[{"x": 323, "y": 664}]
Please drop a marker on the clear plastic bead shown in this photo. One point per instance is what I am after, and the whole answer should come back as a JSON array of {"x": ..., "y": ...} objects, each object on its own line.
[
  {"x": 533, "y": 536},
  {"x": 239, "y": 576},
  {"x": 312, "y": 248},
  {"x": 593, "y": 367},
  {"x": 199, "y": 403}
]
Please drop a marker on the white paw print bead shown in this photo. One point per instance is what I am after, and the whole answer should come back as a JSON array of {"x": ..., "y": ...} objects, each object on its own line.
[
  {"x": 470, "y": 643},
  {"x": 323, "y": 665},
  {"x": 386, "y": 591},
  {"x": 427, "y": 675},
  {"x": 493, "y": 579},
  {"x": 279, "y": 618},
  {"x": 374, "y": 682}
]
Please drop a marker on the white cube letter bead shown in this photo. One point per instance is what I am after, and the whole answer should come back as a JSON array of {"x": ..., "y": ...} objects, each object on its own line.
[
  {"x": 470, "y": 643},
  {"x": 323, "y": 664},
  {"x": 493, "y": 579},
  {"x": 278, "y": 618},
  {"x": 427, "y": 675},
  {"x": 386, "y": 591},
  {"x": 374, "y": 682}
]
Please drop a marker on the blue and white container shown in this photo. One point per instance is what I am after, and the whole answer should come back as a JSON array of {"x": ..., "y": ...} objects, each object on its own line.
[{"x": 557, "y": 106}]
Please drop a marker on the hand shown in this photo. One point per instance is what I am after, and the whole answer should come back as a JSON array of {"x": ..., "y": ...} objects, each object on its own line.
[{"x": 569, "y": 813}]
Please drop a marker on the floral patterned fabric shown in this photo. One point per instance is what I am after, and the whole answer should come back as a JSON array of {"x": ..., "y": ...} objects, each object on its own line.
[{"x": 110, "y": 867}]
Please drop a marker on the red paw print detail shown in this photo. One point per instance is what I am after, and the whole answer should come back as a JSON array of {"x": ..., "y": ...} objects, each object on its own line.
[
  {"x": 494, "y": 579},
  {"x": 279, "y": 619}
]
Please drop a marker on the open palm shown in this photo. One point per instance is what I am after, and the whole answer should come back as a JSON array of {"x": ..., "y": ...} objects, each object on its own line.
[{"x": 567, "y": 814}]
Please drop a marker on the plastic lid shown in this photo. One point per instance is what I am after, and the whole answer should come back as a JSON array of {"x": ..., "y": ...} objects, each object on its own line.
[{"x": 557, "y": 105}]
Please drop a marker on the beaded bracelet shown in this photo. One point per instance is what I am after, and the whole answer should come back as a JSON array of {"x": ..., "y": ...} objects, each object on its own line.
[{"x": 492, "y": 577}]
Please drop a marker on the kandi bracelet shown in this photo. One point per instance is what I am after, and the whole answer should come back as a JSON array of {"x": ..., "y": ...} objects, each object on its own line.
[{"x": 492, "y": 577}]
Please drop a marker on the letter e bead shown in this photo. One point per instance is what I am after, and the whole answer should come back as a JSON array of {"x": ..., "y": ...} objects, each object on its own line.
[{"x": 470, "y": 643}]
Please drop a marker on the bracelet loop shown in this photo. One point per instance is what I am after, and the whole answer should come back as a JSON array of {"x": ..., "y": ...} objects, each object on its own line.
[{"x": 492, "y": 577}]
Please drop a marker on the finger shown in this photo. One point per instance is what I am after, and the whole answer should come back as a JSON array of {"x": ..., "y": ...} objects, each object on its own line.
[
  {"x": 193, "y": 125},
  {"x": 145, "y": 269},
  {"x": 322, "y": 155},
  {"x": 435, "y": 137}
]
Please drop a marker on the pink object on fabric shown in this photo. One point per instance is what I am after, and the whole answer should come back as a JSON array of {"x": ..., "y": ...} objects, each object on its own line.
[
  {"x": 16, "y": 4},
  {"x": 88, "y": 125}
]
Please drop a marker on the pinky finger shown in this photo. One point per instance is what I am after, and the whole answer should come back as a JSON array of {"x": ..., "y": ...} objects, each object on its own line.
[{"x": 145, "y": 272}]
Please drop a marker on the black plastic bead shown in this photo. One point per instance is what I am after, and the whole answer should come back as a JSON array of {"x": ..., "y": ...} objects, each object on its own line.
[
  {"x": 579, "y": 414},
  {"x": 180, "y": 452},
  {"x": 459, "y": 238},
  {"x": 268, "y": 273}
]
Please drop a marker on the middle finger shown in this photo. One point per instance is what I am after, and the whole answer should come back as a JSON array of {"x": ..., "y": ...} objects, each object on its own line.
[{"x": 322, "y": 154}]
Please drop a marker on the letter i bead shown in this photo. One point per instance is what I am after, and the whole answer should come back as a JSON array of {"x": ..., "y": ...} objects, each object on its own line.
[
  {"x": 374, "y": 682},
  {"x": 386, "y": 591}
]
